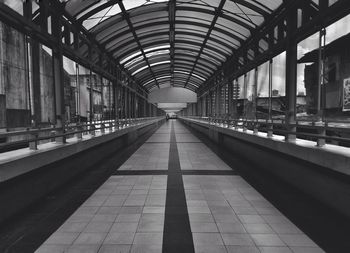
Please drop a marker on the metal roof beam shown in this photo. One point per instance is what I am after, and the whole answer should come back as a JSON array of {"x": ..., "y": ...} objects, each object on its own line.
[
  {"x": 127, "y": 18},
  {"x": 155, "y": 43},
  {"x": 212, "y": 25},
  {"x": 172, "y": 13},
  {"x": 96, "y": 10}
]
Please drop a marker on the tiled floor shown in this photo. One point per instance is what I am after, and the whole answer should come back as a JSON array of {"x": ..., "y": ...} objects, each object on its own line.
[{"x": 127, "y": 213}]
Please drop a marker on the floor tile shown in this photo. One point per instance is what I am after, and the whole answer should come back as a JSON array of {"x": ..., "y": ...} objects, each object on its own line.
[
  {"x": 237, "y": 239},
  {"x": 207, "y": 239},
  {"x": 62, "y": 238},
  {"x": 267, "y": 240},
  {"x": 119, "y": 238},
  {"x": 90, "y": 238}
]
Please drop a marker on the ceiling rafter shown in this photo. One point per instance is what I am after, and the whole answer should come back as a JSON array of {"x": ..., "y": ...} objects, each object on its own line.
[
  {"x": 172, "y": 14},
  {"x": 155, "y": 43},
  {"x": 96, "y": 10},
  {"x": 187, "y": 33},
  {"x": 196, "y": 24},
  {"x": 212, "y": 25},
  {"x": 127, "y": 18}
]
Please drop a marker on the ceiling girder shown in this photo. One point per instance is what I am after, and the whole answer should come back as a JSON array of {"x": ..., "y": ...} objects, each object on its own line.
[
  {"x": 172, "y": 14},
  {"x": 217, "y": 13},
  {"x": 126, "y": 17}
]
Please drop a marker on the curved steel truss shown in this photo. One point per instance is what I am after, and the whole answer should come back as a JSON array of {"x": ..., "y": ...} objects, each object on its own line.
[{"x": 174, "y": 42}]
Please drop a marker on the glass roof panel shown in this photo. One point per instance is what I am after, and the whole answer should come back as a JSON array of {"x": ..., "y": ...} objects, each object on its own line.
[
  {"x": 270, "y": 4},
  {"x": 150, "y": 21},
  {"x": 101, "y": 16},
  {"x": 232, "y": 27}
]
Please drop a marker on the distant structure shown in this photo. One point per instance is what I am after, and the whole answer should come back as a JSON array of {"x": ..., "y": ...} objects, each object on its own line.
[{"x": 337, "y": 72}]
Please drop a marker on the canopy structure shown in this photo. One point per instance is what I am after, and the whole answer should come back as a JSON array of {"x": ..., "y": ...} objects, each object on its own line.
[{"x": 171, "y": 43}]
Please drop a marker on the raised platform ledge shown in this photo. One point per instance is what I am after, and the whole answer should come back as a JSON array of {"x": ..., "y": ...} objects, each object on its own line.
[
  {"x": 18, "y": 162},
  {"x": 330, "y": 156}
]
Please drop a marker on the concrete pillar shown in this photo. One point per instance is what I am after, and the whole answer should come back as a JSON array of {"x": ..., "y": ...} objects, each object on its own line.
[
  {"x": 217, "y": 101},
  {"x": 58, "y": 79},
  {"x": 291, "y": 73},
  {"x": 36, "y": 110}
]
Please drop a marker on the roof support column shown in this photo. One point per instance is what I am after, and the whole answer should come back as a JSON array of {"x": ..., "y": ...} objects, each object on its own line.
[
  {"x": 58, "y": 74},
  {"x": 230, "y": 98},
  {"x": 291, "y": 74},
  {"x": 217, "y": 101}
]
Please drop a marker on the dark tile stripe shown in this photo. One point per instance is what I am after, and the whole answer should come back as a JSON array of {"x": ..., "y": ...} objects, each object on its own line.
[
  {"x": 165, "y": 172},
  {"x": 177, "y": 230},
  {"x": 209, "y": 172},
  {"x": 140, "y": 172}
]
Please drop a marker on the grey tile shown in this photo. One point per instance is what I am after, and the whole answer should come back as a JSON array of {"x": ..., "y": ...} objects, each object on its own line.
[
  {"x": 122, "y": 227},
  {"x": 307, "y": 250},
  {"x": 237, "y": 239},
  {"x": 226, "y": 218},
  {"x": 128, "y": 217},
  {"x": 104, "y": 218},
  {"x": 90, "y": 238},
  {"x": 112, "y": 210},
  {"x": 300, "y": 240},
  {"x": 93, "y": 248},
  {"x": 146, "y": 248},
  {"x": 275, "y": 250},
  {"x": 210, "y": 249},
  {"x": 108, "y": 248},
  {"x": 131, "y": 210},
  {"x": 119, "y": 238},
  {"x": 150, "y": 226},
  {"x": 148, "y": 238},
  {"x": 202, "y": 227},
  {"x": 102, "y": 227},
  {"x": 200, "y": 217},
  {"x": 285, "y": 228},
  {"x": 251, "y": 218},
  {"x": 72, "y": 227},
  {"x": 257, "y": 228},
  {"x": 242, "y": 249},
  {"x": 275, "y": 219},
  {"x": 46, "y": 248},
  {"x": 231, "y": 228},
  {"x": 154, "y": 209},
  {"x": 207, "y": 239},
  {"x": 267, "y": 240},
  {"x": 62, "y": 238}
]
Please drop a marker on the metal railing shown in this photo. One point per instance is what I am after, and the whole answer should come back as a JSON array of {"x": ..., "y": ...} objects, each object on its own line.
[
  {"x": 32, "y": 137},
  {"x": 337, "y": 133}
]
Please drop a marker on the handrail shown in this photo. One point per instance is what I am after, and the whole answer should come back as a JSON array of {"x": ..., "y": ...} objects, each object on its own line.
[
  {"x": 33, "y": 137},
  {"x": 321, "y": 130}
]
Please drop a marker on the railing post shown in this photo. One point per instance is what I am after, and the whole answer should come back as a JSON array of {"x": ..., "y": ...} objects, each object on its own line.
[
  {"x": 256, "y": 127},
  {"x": 245, "y": 125},
  {"x": 321, "y": 141},
  {"x": 269, "y": 129},
  {"x": 291, "y": 135},
  {"x": 236, "y": 124},
  {"x": 92, "y": 130},
  {"x": 111, "y": 124},
  {"x": 33, "y": 145},
  {"x": 80, "y": 133},
  {"x": 102, "y": 128},
  {"x": 52, "y": 134}
]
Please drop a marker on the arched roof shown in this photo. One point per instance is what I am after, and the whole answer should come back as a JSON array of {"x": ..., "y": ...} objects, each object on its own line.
[{"x": 174, "y": 42}]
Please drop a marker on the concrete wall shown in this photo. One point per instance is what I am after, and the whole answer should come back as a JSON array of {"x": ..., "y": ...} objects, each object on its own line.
[
  {"x": 13, "y": 78},
  {"x": 49, "y": 173},
  {"x": 319, "y": 173}
]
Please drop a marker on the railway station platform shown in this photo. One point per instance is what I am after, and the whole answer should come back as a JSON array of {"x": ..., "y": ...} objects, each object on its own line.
[{"x": 175, "y": 126}]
